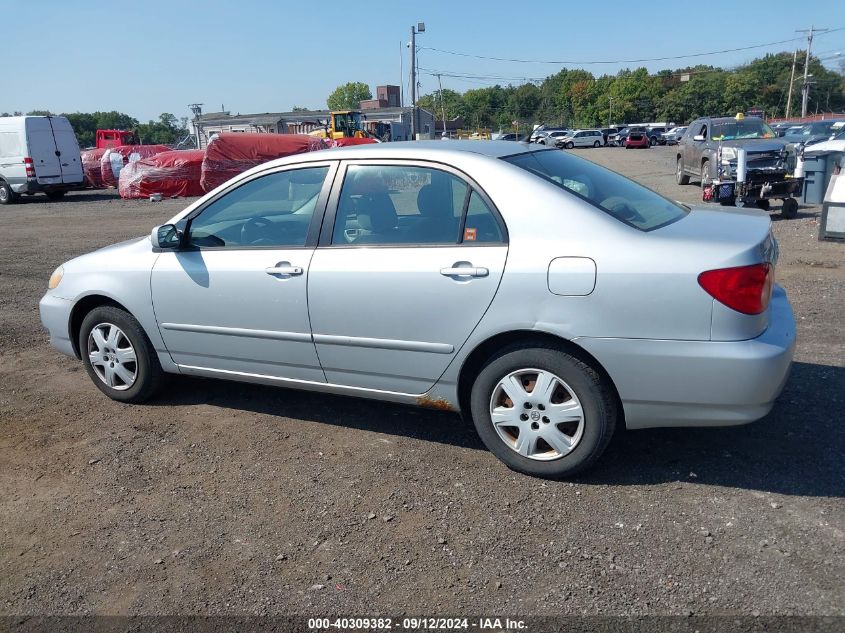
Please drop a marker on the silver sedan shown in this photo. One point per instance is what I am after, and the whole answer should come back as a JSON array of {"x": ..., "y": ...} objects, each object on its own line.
[{"x": 543, "y": 296}]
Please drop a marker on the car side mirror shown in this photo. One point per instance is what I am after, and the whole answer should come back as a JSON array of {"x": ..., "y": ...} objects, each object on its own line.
[
  {"x": 166, "y": 236},
  {"x": 698, "y": 137}
]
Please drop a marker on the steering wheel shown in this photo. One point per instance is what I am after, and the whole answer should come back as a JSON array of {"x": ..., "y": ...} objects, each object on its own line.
[
  {"x": 253, "y": 231},
  {"x": 623, "y": 209}
]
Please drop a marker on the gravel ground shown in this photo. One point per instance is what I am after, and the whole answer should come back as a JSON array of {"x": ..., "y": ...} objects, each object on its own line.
[{"x": 222, "y": 498}]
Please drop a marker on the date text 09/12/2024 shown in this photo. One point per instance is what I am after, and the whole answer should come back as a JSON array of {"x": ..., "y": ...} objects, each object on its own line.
[{"x": 416, "y": 624}]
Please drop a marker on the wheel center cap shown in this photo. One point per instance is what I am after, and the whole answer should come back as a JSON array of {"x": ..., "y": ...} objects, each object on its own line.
[{"x": 535, "y": 415}]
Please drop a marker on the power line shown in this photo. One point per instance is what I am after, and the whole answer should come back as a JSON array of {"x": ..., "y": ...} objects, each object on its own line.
[{"x": 620, "y": 61}]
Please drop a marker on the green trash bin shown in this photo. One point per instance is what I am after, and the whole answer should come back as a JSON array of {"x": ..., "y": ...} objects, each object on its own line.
[{"x": 818, "y": 168}]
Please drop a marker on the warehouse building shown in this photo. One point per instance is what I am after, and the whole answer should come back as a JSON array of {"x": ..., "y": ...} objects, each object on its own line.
[{"x": 382, "y": 116}]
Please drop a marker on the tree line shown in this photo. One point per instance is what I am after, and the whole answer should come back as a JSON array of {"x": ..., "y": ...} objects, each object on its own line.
[
  {"x": 577, "y": 98},
  {"x": 167, "y": 130}
]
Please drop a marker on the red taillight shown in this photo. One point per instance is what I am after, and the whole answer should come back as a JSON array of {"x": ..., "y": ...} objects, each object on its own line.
[
  {"x": 746, "y": 289},
  {"x": 30, "y": 167}
]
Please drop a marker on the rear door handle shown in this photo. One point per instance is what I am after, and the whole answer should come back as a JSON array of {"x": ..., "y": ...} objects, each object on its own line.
[
  {"x": 463, "y": 271},
  {"x": 283, "y": 269}
]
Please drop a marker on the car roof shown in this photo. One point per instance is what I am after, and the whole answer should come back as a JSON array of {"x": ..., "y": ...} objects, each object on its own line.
[{"x": 432, "y": 150}]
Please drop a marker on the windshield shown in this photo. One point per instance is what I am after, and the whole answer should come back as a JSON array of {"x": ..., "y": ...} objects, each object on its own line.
[
  {"x": 624, "y": 199},
  {"x": 747, "y": 128}
]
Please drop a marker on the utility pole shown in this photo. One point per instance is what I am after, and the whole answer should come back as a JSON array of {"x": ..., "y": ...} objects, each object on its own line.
[
  {"x": 420, "y": 28},
  {"x": 442, "y": 106},
  {"x": 806, "y": 86},
  {"x": 610, "y": 113},
  {"x": 791, "y": 80}
]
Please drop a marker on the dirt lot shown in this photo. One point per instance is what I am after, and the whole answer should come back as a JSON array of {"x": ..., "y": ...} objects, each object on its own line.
[{"x": 226, "y": 498}]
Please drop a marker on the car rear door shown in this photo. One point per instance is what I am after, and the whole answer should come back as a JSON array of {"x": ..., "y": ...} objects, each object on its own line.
[
  {"x": 410, "y": 258},
  {"x": 70, "y": 161},
  {"x": 43, "y": 151}
]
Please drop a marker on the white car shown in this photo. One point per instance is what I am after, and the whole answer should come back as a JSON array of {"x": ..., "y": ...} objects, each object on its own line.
[
  {"x": 582, "y": 138},
  {"x": 552, "y": 137}
]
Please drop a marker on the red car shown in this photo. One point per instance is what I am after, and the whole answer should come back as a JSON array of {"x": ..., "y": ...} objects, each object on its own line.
[{"x": 637, "y": 139}]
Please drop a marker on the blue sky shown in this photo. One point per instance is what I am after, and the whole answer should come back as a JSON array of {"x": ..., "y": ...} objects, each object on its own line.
[{"x": 148, "y": 57}]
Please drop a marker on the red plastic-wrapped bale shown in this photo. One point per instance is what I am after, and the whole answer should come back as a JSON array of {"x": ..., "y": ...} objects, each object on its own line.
[
  {"x": 229, "y": 154},
  {"x": 346, "y": 142},
  {"x": 172, "y": 173},
  {"x": 115, "y": 158},
  {"x": 91, "y": 167}
]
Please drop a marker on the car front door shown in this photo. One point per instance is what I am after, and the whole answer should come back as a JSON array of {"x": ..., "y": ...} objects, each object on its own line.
[
  {"x": 233, "y": 299},
  {"x": 409, "y": 260},
  {"x": 693, "y": 149}
]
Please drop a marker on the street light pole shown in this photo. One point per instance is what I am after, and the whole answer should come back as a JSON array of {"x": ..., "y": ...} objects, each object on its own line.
[
  {"x": 610, "y": 113},
  {"x": 420, "y": 28}
]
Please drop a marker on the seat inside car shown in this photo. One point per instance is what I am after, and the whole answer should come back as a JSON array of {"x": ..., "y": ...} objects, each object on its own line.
[{"x": 437, "y": 223}]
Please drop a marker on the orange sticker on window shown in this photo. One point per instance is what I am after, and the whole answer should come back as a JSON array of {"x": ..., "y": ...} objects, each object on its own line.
[{"x": 470, "y": 234}]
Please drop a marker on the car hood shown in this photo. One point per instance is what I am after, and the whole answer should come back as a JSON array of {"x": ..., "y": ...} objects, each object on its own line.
[
  {"x": 108, "y": 257},
  {"x": 836, "y": 145}
]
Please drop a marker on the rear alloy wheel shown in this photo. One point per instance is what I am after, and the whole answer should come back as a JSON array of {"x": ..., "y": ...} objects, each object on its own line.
[
  {"x": 596, "y": 144},
  {"x": 569, "y": 145},
  {"x": 705, "y": 173},
  {"x": 680, "y": 177},
  {"x": 118, "y": 356},
  {"x": 7, "y": 196},
  {"x": 790, "y": 209},
  {"x": 542, "y": 411}
]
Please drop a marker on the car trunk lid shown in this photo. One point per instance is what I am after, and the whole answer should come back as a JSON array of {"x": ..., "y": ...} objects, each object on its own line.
[{"x": 740, "y": 240}]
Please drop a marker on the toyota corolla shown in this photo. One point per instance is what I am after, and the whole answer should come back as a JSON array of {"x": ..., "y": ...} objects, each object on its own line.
[{"x": 547, "y": 298}]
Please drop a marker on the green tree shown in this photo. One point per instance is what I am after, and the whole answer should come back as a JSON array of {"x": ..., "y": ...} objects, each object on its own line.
[
  {"x": 348, "y": 96},
  {"x": 168, "y": 130}
]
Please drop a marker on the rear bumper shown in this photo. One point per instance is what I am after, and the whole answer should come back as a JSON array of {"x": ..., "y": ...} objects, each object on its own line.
[
  {"x": 31, "y": 186},
  {"x": 700, "y": 383},
  {"x": 55, "y": 316}
]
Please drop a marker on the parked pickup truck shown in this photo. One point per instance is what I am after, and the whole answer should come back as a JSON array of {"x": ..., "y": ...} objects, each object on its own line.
[{"x": 708, "y": 152}]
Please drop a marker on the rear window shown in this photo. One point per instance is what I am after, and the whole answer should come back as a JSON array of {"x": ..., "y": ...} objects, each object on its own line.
[{"x": 616, "y": 195}]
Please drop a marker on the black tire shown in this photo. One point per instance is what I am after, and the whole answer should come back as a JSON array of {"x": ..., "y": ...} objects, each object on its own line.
[
  {"x": 595, "y": 395},
  {"x": 680, "y": 177},
  {"x": 7, "y": 196},
  {"x": 596, "y": 144},
  {"x": 570, "y": 145},
  {"x": 789, "y": 211},
  {"x": 148, "y": 369},
  {"x": 56, "y": 195}
]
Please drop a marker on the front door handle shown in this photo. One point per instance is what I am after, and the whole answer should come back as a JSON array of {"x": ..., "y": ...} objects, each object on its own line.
[
  {"x": 464, "y": 271},
  {"x": 283, "y": 268}
]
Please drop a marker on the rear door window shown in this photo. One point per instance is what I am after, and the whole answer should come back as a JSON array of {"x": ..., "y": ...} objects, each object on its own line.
[{"x": 410, "y": 205}]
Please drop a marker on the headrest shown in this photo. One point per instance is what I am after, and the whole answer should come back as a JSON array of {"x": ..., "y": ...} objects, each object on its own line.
[
  {"x": 433, "y": 203},
  {"x": 376, "y": 213}
]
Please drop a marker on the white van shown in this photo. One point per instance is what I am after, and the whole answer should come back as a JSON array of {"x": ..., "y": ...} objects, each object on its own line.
[{"x": 38, "y": 154}]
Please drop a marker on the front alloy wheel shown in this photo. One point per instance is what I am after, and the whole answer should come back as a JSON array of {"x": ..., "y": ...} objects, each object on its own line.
[
  {"x": 112, "y": 356},
  {"x": 118, "y": 356}
]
